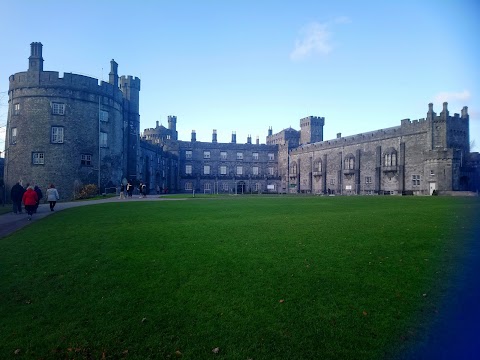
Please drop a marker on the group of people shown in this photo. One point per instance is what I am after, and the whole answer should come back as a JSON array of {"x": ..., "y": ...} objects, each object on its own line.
[
  {"x": 30, "y": 196},
  {"x": 127, "y": 190}
]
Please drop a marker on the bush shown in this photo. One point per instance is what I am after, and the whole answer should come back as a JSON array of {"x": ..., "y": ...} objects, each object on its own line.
[{"x": 87, "y": 191}]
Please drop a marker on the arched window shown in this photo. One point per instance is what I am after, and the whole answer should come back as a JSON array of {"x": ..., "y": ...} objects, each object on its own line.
[
  {"x": 349, "y": 162},
  {"x": 390, "y": 157}
]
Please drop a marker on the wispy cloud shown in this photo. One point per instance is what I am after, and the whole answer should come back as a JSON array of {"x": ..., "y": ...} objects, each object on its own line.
[
  {"x": 315, "y": 38},
  {"x": 452, "y": 96}
]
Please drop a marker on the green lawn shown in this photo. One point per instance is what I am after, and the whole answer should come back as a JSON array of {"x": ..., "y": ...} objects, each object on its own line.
[{"x": 257, "y": 277}]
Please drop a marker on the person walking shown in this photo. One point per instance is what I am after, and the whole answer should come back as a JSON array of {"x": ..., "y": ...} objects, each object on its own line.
[
  {"x": 52, "y": 196},
  {"x": 144, "y": 190},
  {"x": 30, "y": 199},
  {"x": 39, "y": 195},
  {"x": 16, "y": 194},
  {"x": 122, "y": 191},
  {"x": 140, "y": 189},
  {"x": 129, "y": 189}
]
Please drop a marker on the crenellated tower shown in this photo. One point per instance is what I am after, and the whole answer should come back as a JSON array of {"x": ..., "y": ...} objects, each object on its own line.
[{"x": 311, "y": 129}]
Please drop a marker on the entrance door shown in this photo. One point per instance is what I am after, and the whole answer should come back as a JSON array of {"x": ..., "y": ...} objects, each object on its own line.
[
  {"x": 432, "y": 187},
  {"x": 241, "y": 187}
]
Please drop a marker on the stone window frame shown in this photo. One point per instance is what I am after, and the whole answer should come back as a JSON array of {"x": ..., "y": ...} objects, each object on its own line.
[
  {"x": 293, "y": 168},
  {"x": 271, "y": 156},
  {"x": 332, "y": 181},
  {"x": 223, "y": 170},
  {"x": 57, "y": 134},
  {"x": 239, "y": 155},
  {"x": 223, "y": 155},
  {"x": 38, "y": 158},
  {"x": 317, "y": 165},
  {"x": 255, "y": 155},
  {"x": 206, "y": 169},
  {"x": 206, "y": 154},
  {"x": 271, "y": 171},
  {"x": 349, "y": 162},
  {"x": 207, "y": 186},
  {"x": 368, "y": 180},
  {"x": 390, "y": 157},
  {"x": 188, "y": 154},
  {"x": 188, "y": 186},
  {"x": 58, "y": 108},
  {"x": 416, "y": 180},
  {"x": 103, "y": 138},
  {"x": 225, "y": 187},
  {"x": 86, "y": 159},
  {"x": 16, "y": 109},
  {"x": 188, "y": 169},
  {"x": 257, "y": 186},
  {"x": 239, "y": 170},
  {"x": 13, "y": 135},
  {"x": 255, "y": 170}
]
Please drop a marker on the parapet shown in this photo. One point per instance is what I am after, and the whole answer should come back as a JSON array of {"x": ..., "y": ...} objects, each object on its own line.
[{"x": 130, "y": 81}]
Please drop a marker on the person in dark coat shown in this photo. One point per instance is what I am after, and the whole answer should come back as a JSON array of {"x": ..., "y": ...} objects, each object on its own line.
[
  {"x": 16, "y": 194},
  {"x": 39, "y": 195}
]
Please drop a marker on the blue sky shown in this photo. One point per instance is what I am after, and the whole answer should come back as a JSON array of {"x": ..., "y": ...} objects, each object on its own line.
[{"x": 244, "y": 66}]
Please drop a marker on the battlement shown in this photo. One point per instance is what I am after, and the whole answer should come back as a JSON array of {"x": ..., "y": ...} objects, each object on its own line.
[
  {"x": 312, "y": 121},
  {"x": 75, "y": 82},
  {"x": 130, "y": 81}
]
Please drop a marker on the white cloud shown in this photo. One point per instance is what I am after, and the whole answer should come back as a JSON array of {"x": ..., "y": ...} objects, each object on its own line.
[
  {"x": 314, "y": 38},
  {"x": 452, "y": 96}
]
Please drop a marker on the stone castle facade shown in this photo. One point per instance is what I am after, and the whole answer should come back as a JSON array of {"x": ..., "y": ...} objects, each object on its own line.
[{"x": 73, "y": 130}]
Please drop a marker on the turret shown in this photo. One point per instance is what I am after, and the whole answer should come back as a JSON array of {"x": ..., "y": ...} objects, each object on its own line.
[
  {"x": 194, "y": 136},
  {"x": 35, "y": 61},
  {"x": 249, "y": 139},
  {"x": 430, "y": 113},
  {"x": 270, "y": 131},
  {"x": 444, "y": 113},
  {"x": 172, "y": 126},
  {"x": 234, "y": 137}
]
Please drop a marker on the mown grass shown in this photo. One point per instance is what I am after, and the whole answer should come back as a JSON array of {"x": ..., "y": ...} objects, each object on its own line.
[{"x": 259, "y": 278}]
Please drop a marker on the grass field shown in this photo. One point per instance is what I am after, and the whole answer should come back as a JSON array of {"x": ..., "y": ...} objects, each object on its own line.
[{"x": 255, "y": 277}]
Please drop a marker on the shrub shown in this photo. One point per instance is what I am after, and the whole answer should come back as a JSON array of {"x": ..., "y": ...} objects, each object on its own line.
[{"x": 87, "y": 191}]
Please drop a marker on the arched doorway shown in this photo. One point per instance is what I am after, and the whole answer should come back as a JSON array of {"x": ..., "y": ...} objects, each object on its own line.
[{"x": 241, "y": 187}]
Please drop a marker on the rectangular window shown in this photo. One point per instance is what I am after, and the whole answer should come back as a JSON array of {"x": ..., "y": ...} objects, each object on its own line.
[
  {"x": 255, "y": 170},
  {"x": 57, "y": 135},
  {"x": 432, "y": 173},
  {"x": 256, "y": 187},
  {"x": 223, "y": 170},
  {"x": 16, "y": 109},
  {"x": 207, "y": 187},
  {"x": 188, "y": 186},
  {"x": 239, "y": 156},
  {"x": 239, "y": 170},
  {"x": 188, "y": 154},
  {"x": 332, "y": 181},
  {"x": 224, "y": 187},
  {"x": 103, "y": 115},
  {"x": 206, "y": 154},
  {"x": 13, "y": 136},
  {"x": 188, "y": 169},
  {"x": 38, "y": 158},
  {"x": 103, "y": 139},
  {"x": 58, "y": 109},
  {"x": 223, "y": 155},
  {"x": 368, "y": 179},
  {"x": 415, "y": 180},
  {"x": 206, "y": 170},
  {"x": 86, "y": 160},
  {"x": 255, "y": 156},
  {"x": 271, "y": 171},
  {"x": 271, "y": 156}
]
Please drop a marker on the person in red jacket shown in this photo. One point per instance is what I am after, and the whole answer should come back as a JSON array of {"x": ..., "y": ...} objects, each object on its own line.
[{"x": 30, "y": 199}]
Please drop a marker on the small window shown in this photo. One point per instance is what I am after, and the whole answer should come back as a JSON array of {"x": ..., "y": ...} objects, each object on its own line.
[
  {"x": 255, "y": 170},
  {"x": 57, "y": 135},
  {"x": 225, "y": 187},
  {"x": 271, "y": 171},
  {"x": 271, "y": 156},
  {"x": 206, "y": 154},
  {"x": 257, "y": 187},
  {"x": 332, "y": 181},
  {"x": 188, "y": 186},
  {"x": 103, "y": 115},
  {"x": 206, "y": 170},
  {"x": 415, "y": 180},
  {"x": 58, "y": 109},
  {"x": 207, "y": 187},
  {"x": 86, "y": 160},
  {"x": 188, "y": 154},
  {"x": 38, "y": 158},
  {"x": 103, "y": 139},
  {"x": 432, "y": 173},
  {"x": 223, "y": 155},
  {"x": 188, "y": 169},
  {"x": 349, "y": 163},
  {"x": 239, "y": 156},
  {"x": 368, "y": 179},
  {"x": 239, "y": 170},
  {"x": 13, "y": 136},
  {"x": 317, "y": 166},
  {"x": 16, "y": 109},
  {"x": 223, "y": 170},
  {"x": 255, "y": 156}
]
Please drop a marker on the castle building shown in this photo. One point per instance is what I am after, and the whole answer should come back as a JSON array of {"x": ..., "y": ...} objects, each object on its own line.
[{"x": 73, "y": 130}]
